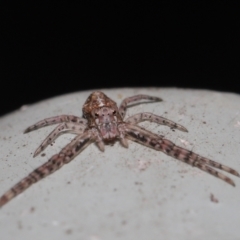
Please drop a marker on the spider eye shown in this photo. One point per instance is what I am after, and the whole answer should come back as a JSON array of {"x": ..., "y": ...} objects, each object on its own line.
[
  {"x": 114, "y": 112},
  {"x": 96, "y": 115}
]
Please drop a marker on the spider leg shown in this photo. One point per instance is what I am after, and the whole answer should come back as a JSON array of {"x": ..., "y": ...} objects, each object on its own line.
[
  {"x": 54, "y": 120},
  {"x": 158, "y": 143},
  {"x": 124, "y": 142},
  {"x": 140, "y": 117},
  {"x": 75, "y": 128},
  {"x": 122, "y": 138},
  {"x": 54, "y": 163},
  {"x": 136, "y": 98}
]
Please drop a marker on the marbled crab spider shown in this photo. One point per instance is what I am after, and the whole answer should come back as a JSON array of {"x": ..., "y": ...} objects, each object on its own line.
[{"x": 103, "y": 123}]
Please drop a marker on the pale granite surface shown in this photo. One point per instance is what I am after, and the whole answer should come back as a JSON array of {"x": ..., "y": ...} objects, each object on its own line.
[{"x": 134, "y": 193}]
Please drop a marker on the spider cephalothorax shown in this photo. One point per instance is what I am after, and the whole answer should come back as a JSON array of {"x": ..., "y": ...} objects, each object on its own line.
[
  {"x": 102, "y": 113},
  {"x": 104, "y": 123}
]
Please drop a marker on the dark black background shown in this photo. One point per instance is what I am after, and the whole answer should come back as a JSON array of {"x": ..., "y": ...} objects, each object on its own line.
[{"x": 49, "y": 50}]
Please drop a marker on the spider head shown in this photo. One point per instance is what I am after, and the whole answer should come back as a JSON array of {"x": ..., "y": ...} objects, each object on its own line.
[
  {"x": 105, "y": 120},
  {"x": 102, "y": 113}
]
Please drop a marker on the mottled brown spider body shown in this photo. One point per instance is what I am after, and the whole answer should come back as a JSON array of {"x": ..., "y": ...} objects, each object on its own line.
[
  {"x": 104, "y": 123},
  {"x": 102, "y": 113}
]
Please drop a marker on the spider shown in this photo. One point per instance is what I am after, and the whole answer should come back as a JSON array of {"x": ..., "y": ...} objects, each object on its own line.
[{"x": 103, "y": 123}]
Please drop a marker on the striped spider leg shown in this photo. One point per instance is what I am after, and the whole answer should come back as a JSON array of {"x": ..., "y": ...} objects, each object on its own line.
[
  {"x": 159, "y": 143},
  {"x": 103, "y": 123}
]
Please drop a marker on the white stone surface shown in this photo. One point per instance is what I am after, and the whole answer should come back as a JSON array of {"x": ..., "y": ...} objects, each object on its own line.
[{"x": 129, "y": 194}]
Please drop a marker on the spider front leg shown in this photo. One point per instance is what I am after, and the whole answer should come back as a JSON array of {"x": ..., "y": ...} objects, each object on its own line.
[
  {"x": 136, "y": 98},
  {"x": 151, "y": 140},
  {"x": 75, "y": 128},
  {"x": 140, "y": 117},
  {"x": 54, "y": 120},
  {"x": 54, "y": 163}
]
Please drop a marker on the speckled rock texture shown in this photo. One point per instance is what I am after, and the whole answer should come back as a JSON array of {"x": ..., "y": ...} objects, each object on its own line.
[{"x": 134, "y": 193}]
